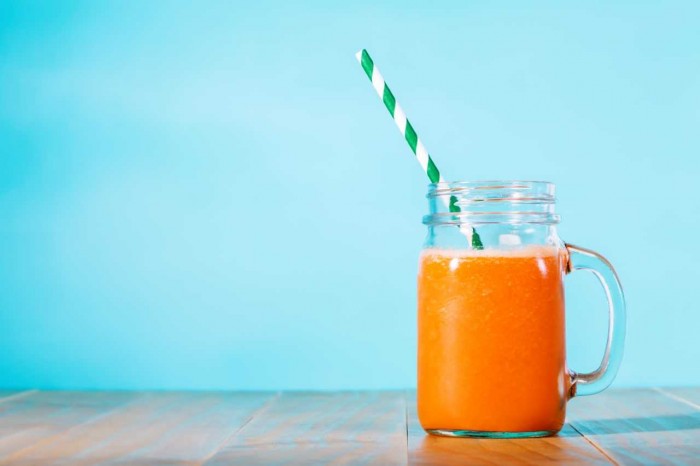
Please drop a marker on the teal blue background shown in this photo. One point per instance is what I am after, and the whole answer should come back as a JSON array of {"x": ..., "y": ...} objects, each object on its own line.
[{"x": 212, "y": 196}]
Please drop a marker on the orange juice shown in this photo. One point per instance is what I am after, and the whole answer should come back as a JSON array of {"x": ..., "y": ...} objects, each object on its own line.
[{"x": 491, "y": 349}]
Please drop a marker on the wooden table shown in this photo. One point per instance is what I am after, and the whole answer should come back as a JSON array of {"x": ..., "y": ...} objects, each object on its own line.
[{"x": 645, "y": 426}]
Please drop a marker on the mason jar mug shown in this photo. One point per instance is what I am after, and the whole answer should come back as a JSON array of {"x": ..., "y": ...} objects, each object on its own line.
[{"x": 491, "y": 336}]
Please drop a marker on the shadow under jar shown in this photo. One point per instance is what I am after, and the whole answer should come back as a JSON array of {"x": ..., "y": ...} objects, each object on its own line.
[{"x": 491, "y": 333}]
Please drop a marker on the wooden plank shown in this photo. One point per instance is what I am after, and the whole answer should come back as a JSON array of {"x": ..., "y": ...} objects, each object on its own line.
[
  {"x": 569, "y": 447},
  {"x": 323, "y": 428},
  {"x": 155, "y": 428},
  {"x": 684, "y": 394},
  {"x": 9, "y": 395},
  {"x": 640, "y": 426},
  {"x": 34, "y": 417},
  {"x": 195, "y": 441},
  {"x": 37, "y": 428}
]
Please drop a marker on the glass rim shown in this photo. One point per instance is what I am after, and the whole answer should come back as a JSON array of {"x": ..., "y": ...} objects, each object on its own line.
[
  {"x": 492, "y": 201},
  {"x": 543, "y": 189}
]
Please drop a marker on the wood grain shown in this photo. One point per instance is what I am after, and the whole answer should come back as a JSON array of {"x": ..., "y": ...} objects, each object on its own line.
[
  {"x": 9, "y": 395},
  {"x": 154, "y": 428},
  {"x": 688, "y": 395},
  {"x": 643, "y": 426},
  {"x": 195, "y": 441},
  {"x": 323, "y": 428},
  {"x": 40, "y": 417},
  {"x": 569, "y": 447},
  {"x": 640, "y": 426}
]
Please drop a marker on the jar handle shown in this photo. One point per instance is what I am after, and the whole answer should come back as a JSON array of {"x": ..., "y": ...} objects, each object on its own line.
[{"x": 594, "y": 382}]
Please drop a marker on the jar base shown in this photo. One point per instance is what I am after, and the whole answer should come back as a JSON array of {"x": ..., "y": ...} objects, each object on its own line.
[{"x": 489, "y": 434}]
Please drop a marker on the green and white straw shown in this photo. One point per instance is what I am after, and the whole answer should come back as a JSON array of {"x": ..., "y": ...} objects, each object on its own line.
[{"x": 407, "y": 131}]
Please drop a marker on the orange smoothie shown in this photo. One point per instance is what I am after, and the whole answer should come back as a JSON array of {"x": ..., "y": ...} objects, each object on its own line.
[{"x": 491, "y": 349}]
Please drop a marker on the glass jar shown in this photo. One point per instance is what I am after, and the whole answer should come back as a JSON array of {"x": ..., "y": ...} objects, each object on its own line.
[{"x": 491, "y": 333}]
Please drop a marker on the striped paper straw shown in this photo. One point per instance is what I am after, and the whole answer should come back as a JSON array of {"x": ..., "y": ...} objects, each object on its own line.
[{"x": 407, "y": 131}]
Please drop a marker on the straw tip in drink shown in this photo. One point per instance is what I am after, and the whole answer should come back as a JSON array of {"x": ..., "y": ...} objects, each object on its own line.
[{"x": 358, "y": 55}]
